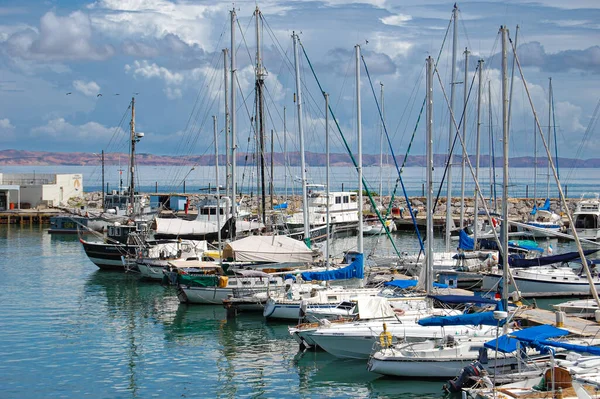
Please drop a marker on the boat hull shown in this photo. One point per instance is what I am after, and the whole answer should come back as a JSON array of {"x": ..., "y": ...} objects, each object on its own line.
[
  {"x": 538, "y": 286},
  {"x": 109, "y": 256}
]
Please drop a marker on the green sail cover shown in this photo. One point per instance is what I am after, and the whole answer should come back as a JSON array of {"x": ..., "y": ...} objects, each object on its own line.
[{"x": 198, "y": 281}]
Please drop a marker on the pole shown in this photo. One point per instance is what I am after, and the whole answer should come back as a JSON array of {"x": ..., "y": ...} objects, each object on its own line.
[
  {"x": 227, "y": 153},
  {"x": 449, "y": 220},
  {"x": 233, "y": 121},
  {"x": 217, "y": 193},
  {"x": 285, "y": 155},
  {"x": 477, "y": 149},
  {"x": 328, "y": 227},
  {"x": 429, "y": 240},
  {"x": 381, "y": 150},
  {"x": 360, "y": 248},
  {"x": 301, "y": 133},
  {"x": 261, "y": 123},
  {"x": 103, "y": 194},
  {"x": 504, "y": 225},
  {"x": 464, "y": 133},
  {"x": 549, "y": 135},
  {"x": 272, "y": 171},
  {"x": 132, "y": 158}
]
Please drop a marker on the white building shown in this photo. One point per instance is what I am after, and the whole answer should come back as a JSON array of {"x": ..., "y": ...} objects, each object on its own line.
[{"x": 29, "y": 190}]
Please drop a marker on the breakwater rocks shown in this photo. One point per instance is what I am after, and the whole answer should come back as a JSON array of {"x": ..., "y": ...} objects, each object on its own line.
[{"x": 518, "y": 208}]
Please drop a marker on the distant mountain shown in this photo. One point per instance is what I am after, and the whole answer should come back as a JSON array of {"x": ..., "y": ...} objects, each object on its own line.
[{"x": 20, "y": 157}]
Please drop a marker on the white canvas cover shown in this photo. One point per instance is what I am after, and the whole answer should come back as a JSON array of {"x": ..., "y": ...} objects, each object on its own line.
[
  {"x": 184, "y": 227},
  {"x": 374, "y": 307},
  {"x": 279, "y": 249}
]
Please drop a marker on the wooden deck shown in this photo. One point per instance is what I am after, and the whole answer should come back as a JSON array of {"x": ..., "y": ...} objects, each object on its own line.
[
  {"x": 28, "y": 216},
  {"x": 575, "y": 325}
]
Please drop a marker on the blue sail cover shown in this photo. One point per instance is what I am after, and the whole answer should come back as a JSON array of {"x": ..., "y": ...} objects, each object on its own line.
[
  {"x": 546, "y": 207},
  {"x": 465, "y": 242},
  {"x": 401, "y": 283},
  {"x": 508, "y": 343},
  {"x": 474, "y": 319},
  {"x": 280, "y": 206},
  {"x": 547, "y": 260},
  {"x": 592, "y": 350},
  {"x": 354, "y": 270},
  {"x": 464, "y": 299}
]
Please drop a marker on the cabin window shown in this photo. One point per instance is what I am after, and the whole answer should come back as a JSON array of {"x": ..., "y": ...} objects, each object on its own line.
[
  {"x": 273, "y": 282},
  {"x": 117, "y": 231},
  {"x": 346, "y": 199},
  {"x": 245, "y": 282},
  {"x": 332, "y": 298},
  {"x": 338, "y": 200},
  {"x": 233, "y": 282},
  {"x": 259, "y": 282},
  {"x": 553, "y": 278}
]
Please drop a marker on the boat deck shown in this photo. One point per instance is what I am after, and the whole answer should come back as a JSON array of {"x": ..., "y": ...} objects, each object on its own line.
[{"x": 575, "y": 325}]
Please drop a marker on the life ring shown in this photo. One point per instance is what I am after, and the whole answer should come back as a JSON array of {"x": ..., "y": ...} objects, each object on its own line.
[{"x": 399, "y": 312}]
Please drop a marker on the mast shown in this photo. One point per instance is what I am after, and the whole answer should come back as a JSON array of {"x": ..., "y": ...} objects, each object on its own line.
[
  {"x": 103, "y": 191},
  {"x": 285, "y": 156},
  {"x": 233, "y": 121},
  {"x": 491, "y": 150},
  {"x": 328, "y": 227},
  {"x": 261, "y": 122},
  {"x": 464, "y": 134},
  {"x": 549, "y": 135},
  {"x": 477, "y": 149},
  {"x": 272, "y": 172},
  {"x": 535, "y": 161},
  {"x": 218, "y": 194},
  {"x": 301, "y": 133},
  {"x": 504, "y": 225},
  {"x": 429, "y": 144},
  {"x": 381, "y": 148},
  {"x": 359, "y": 144},
  {"x": 449, "y": 220},
  {"x": 132, "y": 158},
  {"x": 227, "y": 153}
]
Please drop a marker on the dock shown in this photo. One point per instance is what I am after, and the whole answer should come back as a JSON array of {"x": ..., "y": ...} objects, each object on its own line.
[
  {"x": 28, "y": 217},
  {"x": 575, "y": 325}
]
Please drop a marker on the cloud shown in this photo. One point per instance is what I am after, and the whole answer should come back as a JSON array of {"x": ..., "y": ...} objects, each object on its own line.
[
  {"x": 396, "y": 20},
  {"x": 59, "y": 130},
  {"x": 90, "y": 89},
  {"x": 5, "y": 124},
  {"x": 58, "y": 38},
  {"x": 147, "y": 70}
]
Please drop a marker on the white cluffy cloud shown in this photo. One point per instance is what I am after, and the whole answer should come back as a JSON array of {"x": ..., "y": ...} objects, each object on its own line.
[
  {"x": 396, "y": 20},
  {"x": 5, "y": 124},
  {"x": 60, "y": 130},
  {"x": 58, "y": 38},
  {"x": 90, "y": 89}
]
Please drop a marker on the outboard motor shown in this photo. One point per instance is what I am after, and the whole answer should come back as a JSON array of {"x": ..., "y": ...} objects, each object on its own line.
[{"x": 467, "y": 377}]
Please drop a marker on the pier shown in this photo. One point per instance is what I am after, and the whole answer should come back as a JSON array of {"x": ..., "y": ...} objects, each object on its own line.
[
  {"x": 28, "y": 217},
  {"x": 575, "y": 325}
]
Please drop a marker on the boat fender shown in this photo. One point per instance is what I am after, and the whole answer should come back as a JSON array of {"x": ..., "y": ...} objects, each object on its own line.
[
  {"x": 223, "y": 281},
  {"x": 385, "y": 338},
  {"x": 399, "y": 312}
]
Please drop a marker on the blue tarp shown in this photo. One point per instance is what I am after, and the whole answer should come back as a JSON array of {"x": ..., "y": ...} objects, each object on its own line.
[
  {"x": 280, "y": 206},
  {"x": 508, "y": 344},
  {"x": 354, "y": 270},
  {"x": 546, "y": 207},
  {"x": 547, "y": 260},
  {"x": 474, "y": 319},
  {"x": 465, "y": 242},
  {"x": 464, "y": 299},
  {"x": 440, "y": 285},
  {"x": 401, "y": 283},
  {"x": 592, "y": 350}
]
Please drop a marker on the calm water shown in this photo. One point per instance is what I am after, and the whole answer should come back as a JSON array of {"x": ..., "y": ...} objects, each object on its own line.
[{"x": 69, "y": 330}]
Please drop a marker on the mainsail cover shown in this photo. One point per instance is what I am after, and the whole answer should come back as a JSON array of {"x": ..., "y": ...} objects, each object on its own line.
[
  {"x": 474, "y": 319},
  {"x": 268, "y": 249},
  {"x": 547, "y": 260},
  {"x": 508, "y": 343},
  {"x": 354, "y": 270}
]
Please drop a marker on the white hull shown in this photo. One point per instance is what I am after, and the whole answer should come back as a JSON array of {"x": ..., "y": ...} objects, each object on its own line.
[
  {"x": 444, "y": 368},
  {"x": 150, "y": 272},
  {"x": 531, "y": 284},
  {"x": 585, "y": 308}
]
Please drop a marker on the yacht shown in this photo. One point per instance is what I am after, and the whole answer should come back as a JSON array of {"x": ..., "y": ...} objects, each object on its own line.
[{"x": 586, "y": 216}]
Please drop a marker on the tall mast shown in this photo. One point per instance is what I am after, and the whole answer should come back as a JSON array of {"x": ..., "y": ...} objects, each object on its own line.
[
  {"x": 464, "y": 134},
  {"x": 301, "y": 134},
  {"x": 103, "y": 190},
  {"x": 227, "y": 153},
  {"x": 381, "y": 147},
  {"x": 261, "y": 122},
  {"x": 491, "y": 150},
  {"x": 218, "y": 194},
  {"x": 477, "y": 149},
  {"x": 359, "y": 161},
  {"x": 429, "y": 144},
  {"x": 328, "y": 227},
  {"x": 132, "y": 158},
  {"x": 272, "y": 171},
  {"x": 233, "y": 126},
  {"x": 535, "y": 161},
  {"x": 549, "y": 134},
  {"x": 449, "y": 220},
  {"x": 504, "y": 225},
  {"x": 285, "y": 156}
]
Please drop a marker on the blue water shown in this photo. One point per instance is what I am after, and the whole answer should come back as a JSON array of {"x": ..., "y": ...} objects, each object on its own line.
[
  {"x": 166, "y": 179},
  {"x": 68, "y": 330}
]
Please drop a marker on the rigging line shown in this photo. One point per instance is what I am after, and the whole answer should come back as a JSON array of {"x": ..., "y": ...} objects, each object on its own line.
[
  {"x": 364, "y": 183},
  {"x": 586, "y": 135},
  {"x": 397, "y": 169},
  {"x": 244, "y": 38},
  {"x": 279, "y": 46},
  {"x": 460, "y": 122}
]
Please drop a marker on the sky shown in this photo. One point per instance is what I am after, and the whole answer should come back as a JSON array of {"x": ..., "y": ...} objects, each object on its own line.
[{"x": 69, "y": 70}]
